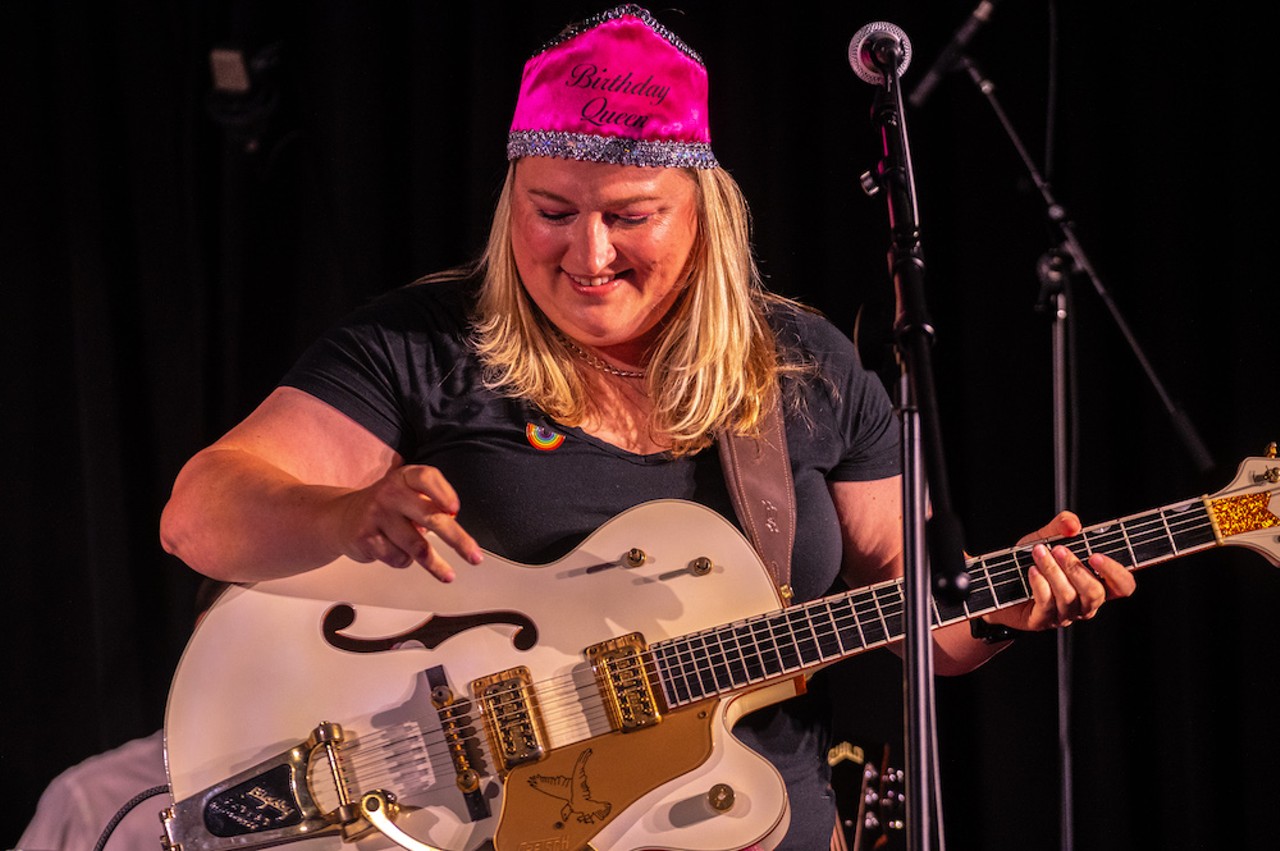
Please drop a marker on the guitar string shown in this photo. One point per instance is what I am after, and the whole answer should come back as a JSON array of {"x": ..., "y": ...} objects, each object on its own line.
[
  {"x": 697, "y": 656},
  {"x": 709, "y": 647},
  {"x": 1001, "y": 568},
  {"x": 1153, "y": 525},
  {"x": 378, "y": 765},
  {"x": 380, "y": 760},
  {"x": 1137, "y": 537},
  {"x": 395, "y": 764}
]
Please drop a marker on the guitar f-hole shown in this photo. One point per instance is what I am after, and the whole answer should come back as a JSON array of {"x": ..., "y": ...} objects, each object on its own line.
[{"x": 431, "y": 633}]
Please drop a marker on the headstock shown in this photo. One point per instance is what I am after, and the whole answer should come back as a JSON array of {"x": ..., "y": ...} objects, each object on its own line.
[{"x": 1247, "y": 511}]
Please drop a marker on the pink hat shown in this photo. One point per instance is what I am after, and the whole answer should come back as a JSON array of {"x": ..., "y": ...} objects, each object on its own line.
[{"x": 617, "y": 88}]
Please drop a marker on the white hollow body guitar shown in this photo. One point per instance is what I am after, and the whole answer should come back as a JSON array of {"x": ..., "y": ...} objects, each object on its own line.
[{"x": 586, "y": 703}]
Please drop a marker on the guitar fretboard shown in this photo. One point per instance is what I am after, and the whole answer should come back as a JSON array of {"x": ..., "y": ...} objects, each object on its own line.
[{"x": 804, "y": 637}]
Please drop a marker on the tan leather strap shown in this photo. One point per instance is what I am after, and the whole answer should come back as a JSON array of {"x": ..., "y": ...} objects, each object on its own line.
[{"x": 758, "y": 473}]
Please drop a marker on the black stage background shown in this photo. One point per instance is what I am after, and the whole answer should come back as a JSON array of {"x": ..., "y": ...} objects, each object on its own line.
[{"x": 158, "y": 277}]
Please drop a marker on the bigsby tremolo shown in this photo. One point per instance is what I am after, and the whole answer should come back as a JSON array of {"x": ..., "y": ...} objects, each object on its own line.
[{"x": 275, "y": 802}]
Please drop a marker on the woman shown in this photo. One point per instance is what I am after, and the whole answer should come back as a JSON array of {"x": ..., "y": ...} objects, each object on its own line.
[{"x": 614, "y": 328}]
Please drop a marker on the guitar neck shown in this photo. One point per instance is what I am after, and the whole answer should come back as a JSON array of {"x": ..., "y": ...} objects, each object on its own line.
[{"x": 805, "y": 637}]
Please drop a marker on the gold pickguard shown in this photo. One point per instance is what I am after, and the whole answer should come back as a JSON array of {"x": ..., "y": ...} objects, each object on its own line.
[{"x": 617, "y": 771}]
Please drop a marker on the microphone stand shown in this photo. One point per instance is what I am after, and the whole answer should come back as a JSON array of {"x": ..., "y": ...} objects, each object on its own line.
[
  {"x": 921, "y": 455},
  {"x": 1054, "y": 270},
  {"x": 1069, "y": 247}
]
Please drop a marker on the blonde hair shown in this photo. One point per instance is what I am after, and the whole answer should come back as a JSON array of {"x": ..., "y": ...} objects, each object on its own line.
[{"x": 715, "y": 366}]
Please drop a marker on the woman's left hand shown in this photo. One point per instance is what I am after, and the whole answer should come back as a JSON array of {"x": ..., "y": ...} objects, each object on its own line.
[{"x": 1064, "y": 589}]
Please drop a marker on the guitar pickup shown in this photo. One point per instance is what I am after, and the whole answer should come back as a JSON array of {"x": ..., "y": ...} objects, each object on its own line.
[
  {"x": 624, "y": 682},
  {"x": 511, "y": 717}
]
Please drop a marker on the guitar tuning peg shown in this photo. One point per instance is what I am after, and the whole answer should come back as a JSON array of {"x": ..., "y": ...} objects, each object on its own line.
[{"x": 1271, "y": 450}]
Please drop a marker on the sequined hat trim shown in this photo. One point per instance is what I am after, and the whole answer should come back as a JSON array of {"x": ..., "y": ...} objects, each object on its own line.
[
  {"x": 632, "y": 10},
  {"x": 607, "y": 149}
]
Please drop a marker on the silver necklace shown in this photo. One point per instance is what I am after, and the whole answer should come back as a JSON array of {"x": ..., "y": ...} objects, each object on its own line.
[{"x": 597, "y": 362}]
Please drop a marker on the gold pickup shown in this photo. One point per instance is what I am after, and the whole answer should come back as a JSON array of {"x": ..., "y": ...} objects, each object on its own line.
[
  {"x": 624, "y": 682},
  {"x": 511, "y": 717}
]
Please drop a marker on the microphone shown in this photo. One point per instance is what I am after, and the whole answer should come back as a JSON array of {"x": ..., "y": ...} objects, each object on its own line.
[
  {"x": 873, "y": 48},
  {"x": 947, "y": 59}
]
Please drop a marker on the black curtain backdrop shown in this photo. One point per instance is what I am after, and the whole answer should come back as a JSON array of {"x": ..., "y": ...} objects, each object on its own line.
[{"x": 166, "y": 254}]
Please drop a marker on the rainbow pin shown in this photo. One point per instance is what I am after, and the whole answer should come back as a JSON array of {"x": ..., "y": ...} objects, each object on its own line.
[{"x": 542, "y": 438}]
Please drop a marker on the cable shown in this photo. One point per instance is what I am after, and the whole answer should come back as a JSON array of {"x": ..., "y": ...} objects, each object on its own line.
[{"x": 124, "y": 811}]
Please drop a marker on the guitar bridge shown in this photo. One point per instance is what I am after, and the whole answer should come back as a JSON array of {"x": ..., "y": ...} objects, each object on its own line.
[
  {"x": 624, "y": 682},
  {"x": 459, "y": 738},
  {"x": 267, "y": 804}
]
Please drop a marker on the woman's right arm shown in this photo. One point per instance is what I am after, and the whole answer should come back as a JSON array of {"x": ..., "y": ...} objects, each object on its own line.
[{"x": 298, "y": 484}]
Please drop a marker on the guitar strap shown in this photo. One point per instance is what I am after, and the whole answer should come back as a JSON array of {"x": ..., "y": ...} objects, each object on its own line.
[{"x": 757, "y": 471}]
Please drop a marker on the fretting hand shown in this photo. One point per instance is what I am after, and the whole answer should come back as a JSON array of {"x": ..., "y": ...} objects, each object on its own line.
[{"x": 1064, "y": 589}]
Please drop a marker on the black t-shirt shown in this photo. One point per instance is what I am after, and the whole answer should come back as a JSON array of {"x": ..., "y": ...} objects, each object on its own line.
[{"x": 531, "y": 488}]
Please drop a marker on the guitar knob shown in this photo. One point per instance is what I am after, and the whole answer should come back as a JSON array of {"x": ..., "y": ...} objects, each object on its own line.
[
  {"x": 700, "y": 566},
  {"x": 721, "y": 797}
]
